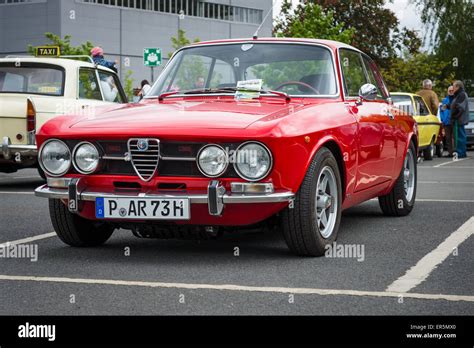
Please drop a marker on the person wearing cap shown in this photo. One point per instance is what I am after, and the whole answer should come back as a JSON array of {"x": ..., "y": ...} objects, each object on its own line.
[{"x": 97, "y": 54}]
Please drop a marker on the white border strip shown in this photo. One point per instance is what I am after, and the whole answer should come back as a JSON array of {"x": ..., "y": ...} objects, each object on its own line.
[
  {"x": 231, "y": 287},
  {"x": 418, "y": 273}
]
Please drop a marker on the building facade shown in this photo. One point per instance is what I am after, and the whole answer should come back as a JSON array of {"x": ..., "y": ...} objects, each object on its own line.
[{"x": 125, "y": 27}]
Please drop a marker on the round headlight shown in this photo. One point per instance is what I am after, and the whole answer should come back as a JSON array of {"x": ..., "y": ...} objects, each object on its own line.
[
  {"x": 212, "y": 160},
  {"x": 253, "y": 161},
  {"x": 86, "y": 158},
  {"x": 55, "y": 158}
]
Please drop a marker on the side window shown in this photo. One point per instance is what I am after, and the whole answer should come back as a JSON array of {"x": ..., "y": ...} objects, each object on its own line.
[
  {"x": 88, "y": 85},
  {"x": 353, "y": 71},
  {"x": 371, "y": 74},
  {"x": 110, "y": 87},
  {"x": 404, "y": 103},
  {"x": 421, "y": 108}
]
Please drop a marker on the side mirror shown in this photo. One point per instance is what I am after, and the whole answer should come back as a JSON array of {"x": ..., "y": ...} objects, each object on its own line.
[{"x": 368, "y": 92}]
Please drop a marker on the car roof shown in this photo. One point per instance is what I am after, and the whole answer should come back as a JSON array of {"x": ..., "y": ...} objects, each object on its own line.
[
  {"x": 67, "y": 63},
  {"x": 329, "y": 43},
  {"x": 404, "y": 93}
]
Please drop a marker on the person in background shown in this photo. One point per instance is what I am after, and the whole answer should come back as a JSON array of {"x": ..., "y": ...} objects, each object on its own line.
[
  {"x": 145, "y": 88},
  {"x": 109, "y": 89},
  {"x": 445, "y": 115},
  {"x": 429, "y": 96},
  {"x": 97, "y": 54},
  {"x": 200, "y": 83},
  {"x": 460, "y": 116}
]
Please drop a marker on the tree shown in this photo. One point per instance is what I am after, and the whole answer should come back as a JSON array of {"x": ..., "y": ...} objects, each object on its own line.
[
  {"x": 309, "y": 20},
  {"x": 180, "y": 41},
  {"x": 376, "y": 28},
  {"x": 128, "y": 84},
  {"x": 65, "y": 45},
  {"x": 406, "y": 75},
  {"x": 450, "y": 29}
]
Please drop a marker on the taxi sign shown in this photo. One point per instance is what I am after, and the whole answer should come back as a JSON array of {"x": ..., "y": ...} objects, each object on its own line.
[{"x": 47, "y": 51}]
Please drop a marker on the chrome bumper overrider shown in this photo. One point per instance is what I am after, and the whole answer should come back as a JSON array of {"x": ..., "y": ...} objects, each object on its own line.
[
  {"x": 9, "y": 149},
  {"x": 216, "y": 198}
]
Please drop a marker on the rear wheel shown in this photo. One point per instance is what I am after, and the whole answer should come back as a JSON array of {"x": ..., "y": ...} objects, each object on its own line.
[
  {"x": 75, "y": 230},
  {"x": 429, "y": 152},
  {"x": 400, "y": 201},
  {"x": 313, "y": 222}
]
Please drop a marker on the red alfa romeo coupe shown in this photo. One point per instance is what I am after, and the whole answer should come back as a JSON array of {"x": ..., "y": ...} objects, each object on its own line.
[{"x": 234, "y": 133}]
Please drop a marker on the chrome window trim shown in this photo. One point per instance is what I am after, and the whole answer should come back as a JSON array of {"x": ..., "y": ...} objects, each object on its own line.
[{"x": 253, "y": 42}]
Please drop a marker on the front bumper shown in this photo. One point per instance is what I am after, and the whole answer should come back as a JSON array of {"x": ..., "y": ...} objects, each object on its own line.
[
  {"x": 73, "y": 190},
  {"x": 9, "y": 150}
]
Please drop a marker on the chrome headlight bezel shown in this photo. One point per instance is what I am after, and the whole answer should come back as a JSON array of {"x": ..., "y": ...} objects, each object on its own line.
[
  {"x": 236, "y": 162},
  {"x": 40, "y": 157},
  {"x": 74, "y": 153},
  {"x": 226, "y": 160}
]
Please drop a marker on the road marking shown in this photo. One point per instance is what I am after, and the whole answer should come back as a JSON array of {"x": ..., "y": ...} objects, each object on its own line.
[
  {"x": 29, "y": 239},
  {"x": 447, "y": 182},
  {"x": 449, "y": 162},
  {"x": 445, "y": 200},
  {"x": 16, "y": 193},
  {"x": 231, "y": 287},
  {"x": 418, "y": 273}
]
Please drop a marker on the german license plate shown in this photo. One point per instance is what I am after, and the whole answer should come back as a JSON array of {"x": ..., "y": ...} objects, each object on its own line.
[{"x": 142, "y": 208}]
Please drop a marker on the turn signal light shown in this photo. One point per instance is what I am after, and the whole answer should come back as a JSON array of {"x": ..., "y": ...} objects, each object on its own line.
[{"x": 30, "y": 116}]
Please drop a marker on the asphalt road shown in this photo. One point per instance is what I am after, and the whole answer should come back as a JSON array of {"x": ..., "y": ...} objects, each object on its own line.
[{"x": 191, "y": 277}]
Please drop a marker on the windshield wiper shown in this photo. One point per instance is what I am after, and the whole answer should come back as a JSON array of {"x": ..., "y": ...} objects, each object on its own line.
[
  {"x": 236, "y": 89},
  {"x": 224, "y": 90}
]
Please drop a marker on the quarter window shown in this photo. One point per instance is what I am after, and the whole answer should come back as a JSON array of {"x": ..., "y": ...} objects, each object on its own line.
[
  {"x": 353, "y": 71},
  {"x": 420, "y": 106},
  {"x": 88, "y": 85}
]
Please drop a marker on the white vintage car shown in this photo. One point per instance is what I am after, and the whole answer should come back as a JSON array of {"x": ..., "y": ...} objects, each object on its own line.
[{"x": 33, "y": 90}]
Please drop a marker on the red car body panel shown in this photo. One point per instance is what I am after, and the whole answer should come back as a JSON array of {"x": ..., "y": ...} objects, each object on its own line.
[{"x": 370, "y": 145}]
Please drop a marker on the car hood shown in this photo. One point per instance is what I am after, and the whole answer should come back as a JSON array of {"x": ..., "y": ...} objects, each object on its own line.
[{"x": 225, "y": 114}]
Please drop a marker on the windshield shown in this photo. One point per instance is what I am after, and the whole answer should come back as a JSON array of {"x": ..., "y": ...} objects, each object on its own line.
[
  {"x": 45, "y": 80},
  {"x": 299, "y": 70}
]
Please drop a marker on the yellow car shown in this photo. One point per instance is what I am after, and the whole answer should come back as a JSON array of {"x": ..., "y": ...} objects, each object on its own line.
[{"x": 428, "y": 124}]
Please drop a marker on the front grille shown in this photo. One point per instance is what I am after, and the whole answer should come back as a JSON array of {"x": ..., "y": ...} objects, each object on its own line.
[{"x": 144, "y": 155}]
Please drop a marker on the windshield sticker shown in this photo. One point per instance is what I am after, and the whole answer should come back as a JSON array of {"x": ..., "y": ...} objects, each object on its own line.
[{"x": 248, "y": 89}]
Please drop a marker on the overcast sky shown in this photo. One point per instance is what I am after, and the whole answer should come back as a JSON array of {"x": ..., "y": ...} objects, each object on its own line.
[{"x": 407, "y": 14}]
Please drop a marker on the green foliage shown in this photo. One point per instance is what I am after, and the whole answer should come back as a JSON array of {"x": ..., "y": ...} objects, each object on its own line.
[
  {"x": 408, "y": 75},
  {"x": 309, "y": 20},
  {"x": 65, "y": 45},
  {"x": 450, "y": 29},
  {"x": 180, "y": 41},
  {"x": 376, "y": 28},
  {"x": 128, "y": 84}
]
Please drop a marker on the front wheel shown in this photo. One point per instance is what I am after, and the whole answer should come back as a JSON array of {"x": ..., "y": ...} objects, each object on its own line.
[
  {"x": 400, "y": 201},
  {"x": 313, "y": 222},
  {"x": 75, "y": 230}
]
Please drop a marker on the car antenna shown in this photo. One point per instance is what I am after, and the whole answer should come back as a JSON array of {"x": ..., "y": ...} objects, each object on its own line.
[{"x": 255, "y": 36}]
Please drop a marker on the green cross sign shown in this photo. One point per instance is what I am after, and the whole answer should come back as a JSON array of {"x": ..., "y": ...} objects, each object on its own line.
[{"x": 152, "y": 57}]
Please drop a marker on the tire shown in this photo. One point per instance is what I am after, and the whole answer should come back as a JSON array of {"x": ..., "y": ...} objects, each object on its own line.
[
  {"x": 400, "y": 202},
  {"x": 75, "y": 230},
  {"x": 304, "y": 233},
  {"x": 440, "y": 149},
  {"x": 41, "y": 173},
  {"x": 428, "y": 153}
]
